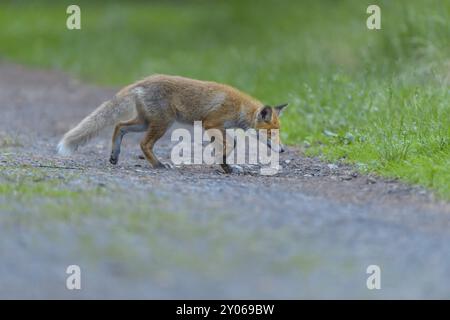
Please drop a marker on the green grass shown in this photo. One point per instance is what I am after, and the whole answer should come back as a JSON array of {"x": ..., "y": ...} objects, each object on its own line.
[{"x": 379, "y": 99}]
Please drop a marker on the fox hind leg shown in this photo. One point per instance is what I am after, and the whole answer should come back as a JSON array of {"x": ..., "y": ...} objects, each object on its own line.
[
  {"x": 134, "y": 125},
  {"x": 154, "y": 133}
]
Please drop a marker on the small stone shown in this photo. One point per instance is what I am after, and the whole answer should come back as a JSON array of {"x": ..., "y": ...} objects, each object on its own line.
[
  {"x": 371, "y": 180},
  {"x": 346, "y": 177},
  {"x": 287, "y": 161},
  {"x": 237, "y": 169},
  {"x": 270, "y": 171},
  {"x": 332, "y": 166}
]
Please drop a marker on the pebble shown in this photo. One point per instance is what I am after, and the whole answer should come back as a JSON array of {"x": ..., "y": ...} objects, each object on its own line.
[
  {"x": 238, "y": 169},
  {"x": 371, "y": 180},
  {"x": 332, "y": 166}
]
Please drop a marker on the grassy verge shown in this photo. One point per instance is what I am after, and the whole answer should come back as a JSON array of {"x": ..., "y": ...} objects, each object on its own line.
[{"x": 379, "y": 99}]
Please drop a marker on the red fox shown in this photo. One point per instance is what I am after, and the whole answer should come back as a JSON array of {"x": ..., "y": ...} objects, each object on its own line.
[{"x": 154, "y": 103}]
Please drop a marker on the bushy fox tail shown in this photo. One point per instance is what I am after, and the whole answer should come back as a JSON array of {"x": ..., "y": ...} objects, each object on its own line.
[{"x": 108, "y": 113}]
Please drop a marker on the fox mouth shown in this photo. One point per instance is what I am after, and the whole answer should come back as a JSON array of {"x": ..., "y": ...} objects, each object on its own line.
[{"x": 277, "y": 148}]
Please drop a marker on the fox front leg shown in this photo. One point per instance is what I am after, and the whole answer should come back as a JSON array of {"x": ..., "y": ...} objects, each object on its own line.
[
  {"x": 229, "y": 168},
  {"x": 221, "y": 141}
]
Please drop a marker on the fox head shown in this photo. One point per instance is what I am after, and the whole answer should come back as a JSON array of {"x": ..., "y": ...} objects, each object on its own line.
[{"x": 268, "y": 118}]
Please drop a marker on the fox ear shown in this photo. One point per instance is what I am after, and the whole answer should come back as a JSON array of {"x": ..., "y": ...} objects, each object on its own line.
[
  {"x": 279, "y": 109},
  {"x": 265, "y": 114}
]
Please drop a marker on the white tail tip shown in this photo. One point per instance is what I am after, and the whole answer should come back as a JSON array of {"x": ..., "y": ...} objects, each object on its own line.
[{"x": 63, "y": 149}]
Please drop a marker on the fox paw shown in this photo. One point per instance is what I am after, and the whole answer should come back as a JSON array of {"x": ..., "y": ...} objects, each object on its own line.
[
  {"x": 164, "y": 165},
  {"x": 113, "y": 160}
]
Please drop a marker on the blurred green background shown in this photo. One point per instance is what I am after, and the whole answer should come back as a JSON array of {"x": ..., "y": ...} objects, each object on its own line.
[{"x": 378, "y": 99}]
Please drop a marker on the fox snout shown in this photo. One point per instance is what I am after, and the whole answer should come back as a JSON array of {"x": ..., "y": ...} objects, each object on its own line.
[
  {"x": 268, "y": 119},
  {"x": 277, "y": 147}
]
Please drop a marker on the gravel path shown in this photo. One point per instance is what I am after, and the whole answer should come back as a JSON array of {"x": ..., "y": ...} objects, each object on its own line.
[{"x": 308, "y": 232}]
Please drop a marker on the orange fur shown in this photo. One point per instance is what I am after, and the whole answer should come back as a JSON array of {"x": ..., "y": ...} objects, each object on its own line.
[{"x": 157, "y": 101}]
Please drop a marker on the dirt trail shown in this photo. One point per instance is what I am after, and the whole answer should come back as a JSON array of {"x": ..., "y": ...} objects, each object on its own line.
[{"x": 309, "y": 231}]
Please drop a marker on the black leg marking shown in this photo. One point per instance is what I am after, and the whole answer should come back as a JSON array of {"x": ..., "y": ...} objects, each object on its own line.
[{"x": 114, "y": 158}]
